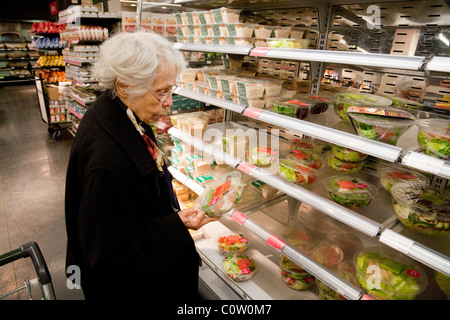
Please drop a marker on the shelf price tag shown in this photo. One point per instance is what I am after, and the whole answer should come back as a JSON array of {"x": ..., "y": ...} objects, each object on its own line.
[
  {"x": 246, "y": 167},
  {"x": 252, "y": 112},
  {"x": 367, "y": 297},
  {"x": 259, "y": 52},
  {"x": 238, "y": 217},
  {"x": 276, "y": 242}
]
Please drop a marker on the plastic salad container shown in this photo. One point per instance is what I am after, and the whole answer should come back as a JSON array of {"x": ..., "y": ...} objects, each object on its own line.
[
  {"x": 291, "y": 108},
  {"x": 297, "y": 172},
  {"x": 350, "y": 192},
  {"x": 344, "y": 100},
  {"x": 308, "y": 158},
  {"x": 381, "y": 124},
  {"x": 328, "y": 254},
  {"x": 344, "y": 166},
  {"x": 294, "y": 276},
  {"x": 221, "y": 195},
  {"x": 262, "y": 156},
  {"x": 319, "y": 104},
  {"x": 345, "y": 270},
  {"x": 233, "y": 244},
  {"x": 422, "y": 208},
  {"x": 434, "y": 137},
  {"x": 389, "y": 176},
  {"x": 346, "y": 154},
  {"x": 308, "y": 145},
  {"x": 388, "y": 275},
  {"x": 239, "y": 267},
  {"x": 287, "y": 43},
  {"x": 226, "y": 15},
  {"x": 443, "y": 282}
]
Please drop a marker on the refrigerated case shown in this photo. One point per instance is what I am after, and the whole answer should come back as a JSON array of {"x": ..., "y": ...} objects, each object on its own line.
[{"x": 362, "y": 42}]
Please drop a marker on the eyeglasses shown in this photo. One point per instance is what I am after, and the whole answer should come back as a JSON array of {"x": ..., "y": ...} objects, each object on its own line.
[{"x": 162, "y": 96}]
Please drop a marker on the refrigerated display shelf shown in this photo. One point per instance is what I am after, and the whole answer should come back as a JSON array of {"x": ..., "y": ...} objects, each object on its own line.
[
  {"x": 377, "y": 149},
  {"x": 353, "y": 219},
  {"x": 252, "y": 289}
]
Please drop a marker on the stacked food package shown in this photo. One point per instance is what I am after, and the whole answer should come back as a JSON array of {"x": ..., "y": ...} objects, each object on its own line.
[{"x": 224, "y": 26}]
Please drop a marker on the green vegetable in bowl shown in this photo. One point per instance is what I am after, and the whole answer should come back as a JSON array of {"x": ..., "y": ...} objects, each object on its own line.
[
  {"x": 422, "y": 208},
  {"x": 345, "y": 100},
  {"x": 386, "y": 277},
  {"x": 434, "y": 144},
  {"x": 346, "y": 154},
  {"x": 349, "y": 191},
  {"x": 294, "y": 276}
]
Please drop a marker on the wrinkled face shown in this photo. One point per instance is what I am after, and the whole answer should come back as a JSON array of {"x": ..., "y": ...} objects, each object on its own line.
[{"x": 148, "y": 107}]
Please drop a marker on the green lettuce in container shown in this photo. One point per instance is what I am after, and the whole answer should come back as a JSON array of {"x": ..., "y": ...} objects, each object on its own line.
[
  {"x": 344, "y": 100},
  {"x": 422, "y": 208},
  {"x": 434, "y": 137},
  {"x": 388, "y": 275},
  {"x": 381, "y": 124}
]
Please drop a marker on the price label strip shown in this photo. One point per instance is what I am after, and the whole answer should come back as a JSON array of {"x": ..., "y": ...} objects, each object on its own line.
[
  {"x": 276, "y": 242},
  {"x": 246, "y": 167},
  {"x": 238, "y": 217},
  {"x": 252, "y": 112}
]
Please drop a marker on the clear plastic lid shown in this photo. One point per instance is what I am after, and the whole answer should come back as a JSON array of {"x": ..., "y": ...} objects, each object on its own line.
[
  {"x": 221, "y": 195},
  {"x": 302, "y": 156},
  {"x": 363, "y": 99},
  {"x": 347, "y": 186},
  {"x": 292, "y": 107},
  {"x": 308, "y": 144},
  {"x": 297, "y": 172},
  {"x": 239, "y": 267},
  {"x": 346, "y": 154},
  {"x": 390, "y": 176},
  {"x": 379, "y": 120},
  {"x": 435, "y": 126},
  {"x": 423, "y": 200},
  {"x": 389, "y": 275}
]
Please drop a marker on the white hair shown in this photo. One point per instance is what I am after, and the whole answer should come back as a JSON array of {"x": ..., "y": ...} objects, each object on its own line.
[{"x": 136, "y": 59}]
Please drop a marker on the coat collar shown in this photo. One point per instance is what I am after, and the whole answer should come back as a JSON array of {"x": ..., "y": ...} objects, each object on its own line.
[{"x": 114, "y": 120}]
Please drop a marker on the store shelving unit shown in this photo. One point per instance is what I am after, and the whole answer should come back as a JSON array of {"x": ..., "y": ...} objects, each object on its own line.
[
  {"x": 14, "y": 62},
  {"x": 380, "y": 229}
]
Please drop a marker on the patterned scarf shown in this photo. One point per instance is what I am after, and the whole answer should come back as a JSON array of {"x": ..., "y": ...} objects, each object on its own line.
[{"x": 152, "y": 147}]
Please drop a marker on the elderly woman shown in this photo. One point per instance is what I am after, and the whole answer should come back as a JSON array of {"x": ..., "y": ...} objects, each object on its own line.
[{"x": 125, "y": 230}]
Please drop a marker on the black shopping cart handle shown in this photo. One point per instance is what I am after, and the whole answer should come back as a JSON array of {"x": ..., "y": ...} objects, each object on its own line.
[{"x": 31, "y": 250}]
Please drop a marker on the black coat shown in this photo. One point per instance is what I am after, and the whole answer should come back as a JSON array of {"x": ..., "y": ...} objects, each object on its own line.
[{"x": 122, "y": 230}]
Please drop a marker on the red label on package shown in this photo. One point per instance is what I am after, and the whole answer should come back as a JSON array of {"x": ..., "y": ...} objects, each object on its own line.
[
  {"x": 300, "y": 155},
  {"x": 213, "y": 201},
  {"x": 304, "y": 169},
  {"x": 246, "y": 167},
  {"x": 413, "y": 273},
  {"x": 276, "y": 242},
  {"x": 346, "y": 184},
  {"x": 252, "y": 112},
  {"x": 244, "y": 263},
  {"x": 300, "y": 103},
  {"x": 238, "y": 217},
  {"x": 222, "y": 188},
  {"x": 402, "y": 175},
  {"x": 259, "y": 52}
]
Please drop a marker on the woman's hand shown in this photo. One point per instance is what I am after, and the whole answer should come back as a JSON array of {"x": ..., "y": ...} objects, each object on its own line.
[{"x": 194, "y": 218}]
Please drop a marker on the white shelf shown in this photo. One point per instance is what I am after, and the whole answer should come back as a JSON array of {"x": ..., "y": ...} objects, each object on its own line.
[
  {"x": 231, "y": 49},
  {"x": 439, "y": 64},
  {"x": 330, "y": 56}
]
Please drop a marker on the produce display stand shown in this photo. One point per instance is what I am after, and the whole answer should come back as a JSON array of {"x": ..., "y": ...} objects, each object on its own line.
[{"x": 43, "y": 281}]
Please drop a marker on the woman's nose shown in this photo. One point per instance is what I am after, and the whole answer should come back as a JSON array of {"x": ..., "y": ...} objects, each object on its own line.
[{"x": 167, "y": 102}]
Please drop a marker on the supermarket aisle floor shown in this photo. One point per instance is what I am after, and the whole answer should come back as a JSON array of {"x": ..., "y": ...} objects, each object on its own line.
[{"x": 32, "y": 183}]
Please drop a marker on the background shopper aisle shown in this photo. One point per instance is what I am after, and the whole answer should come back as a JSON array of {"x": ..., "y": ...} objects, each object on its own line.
[{"x": 32, "y": 182}]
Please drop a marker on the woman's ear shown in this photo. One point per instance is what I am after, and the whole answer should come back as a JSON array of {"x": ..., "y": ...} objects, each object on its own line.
[{"x": 121, "y": 89}]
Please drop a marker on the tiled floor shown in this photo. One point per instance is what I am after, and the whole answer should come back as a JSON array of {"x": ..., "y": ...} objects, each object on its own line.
[{"x": 32, "y": 176}]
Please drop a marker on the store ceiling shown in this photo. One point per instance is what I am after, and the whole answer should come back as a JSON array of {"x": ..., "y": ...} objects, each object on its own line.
[{"x": 19, "y": 10}]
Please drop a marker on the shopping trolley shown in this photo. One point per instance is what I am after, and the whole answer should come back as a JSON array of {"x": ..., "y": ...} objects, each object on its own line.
[{"x": 43, "y": 280}]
